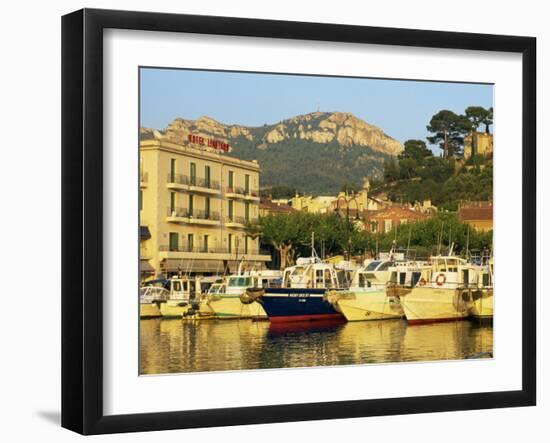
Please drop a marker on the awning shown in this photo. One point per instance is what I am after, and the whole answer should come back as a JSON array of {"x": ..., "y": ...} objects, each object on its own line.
[
  {"x": 186, "y": 265},
  {"x": 233, "y": 265},
  {"x": 144, "y": 233},
  {"x": 145, "y": 266}
]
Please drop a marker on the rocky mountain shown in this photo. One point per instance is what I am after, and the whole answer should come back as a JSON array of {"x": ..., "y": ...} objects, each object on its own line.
[{"x": 316, "y": 152}]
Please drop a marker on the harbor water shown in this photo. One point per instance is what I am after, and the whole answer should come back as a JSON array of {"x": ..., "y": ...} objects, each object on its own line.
[{"x": 176, "y": 346}]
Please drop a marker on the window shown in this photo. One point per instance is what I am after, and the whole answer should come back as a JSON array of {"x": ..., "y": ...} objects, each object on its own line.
[
  {"x": 172, "y": 170},
  {"x": 318, "y": 278},
  {"x": 387, "y": 225},
  {"x": 173, "y": 241},
  {"x": 140, "y": 200},
  {"x": 384, "y": 266},
  {"x": 372, "y": 265},
  {"x": 207, "y": 207},
  {"x": 191, "y": 205},
  {"x": 230, "y": 181},
  {"x": 193, "y": 174},
  {"x": 190, "y": 242},
  {"x": 207, "y": 176},
  {"x": 247, "y": 184},
  {"x": 229, "y": 243},
  {"x": 205, "y": 243},
  {"x": 172, "y": 202},
  {"x": 247, "y": 211},
  {"x": 246, "y": 245},
  {"x": 230, "y": 210}
]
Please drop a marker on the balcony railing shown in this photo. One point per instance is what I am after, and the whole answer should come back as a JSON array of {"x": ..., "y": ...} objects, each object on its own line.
[
  {"x": 211, "y": 250},
  {"x": 196, "y": 213},
  {"x": 181, "y": 179},
  {"x": 235, "y": 219},
  {"x": 242, "y": 191}
]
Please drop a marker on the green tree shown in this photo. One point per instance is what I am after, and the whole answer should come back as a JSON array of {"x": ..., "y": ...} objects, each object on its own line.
[
  {"x": 391, "y": 170},
  {"x": 449, "y": 130},
  {"x": 477, "y": 115},
  {"x": 488, "y": 120},
  {"x": 416, "y": 150}
]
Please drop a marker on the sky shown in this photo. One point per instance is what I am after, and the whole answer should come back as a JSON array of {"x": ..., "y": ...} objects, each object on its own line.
[{"x": 401, "y": 108}]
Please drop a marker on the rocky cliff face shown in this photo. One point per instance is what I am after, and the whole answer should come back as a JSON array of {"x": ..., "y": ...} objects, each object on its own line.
[{"x": 344, "y": 129}]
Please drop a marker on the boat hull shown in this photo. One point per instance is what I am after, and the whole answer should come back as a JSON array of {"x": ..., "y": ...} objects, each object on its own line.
[
  {"x": 174, "y": 309},
  {"x": 293, "y": 304},
  {"x": 482, "y": 304},
  {"x": 368, "y": 305},
  {"x": 425, "y": 305},
  {"x": 149, "y": 310},
  {"x": 226, "y": 307}
]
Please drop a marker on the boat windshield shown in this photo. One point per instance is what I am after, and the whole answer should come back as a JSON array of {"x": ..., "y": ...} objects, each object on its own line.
[
  {"x": 372, "y": 265},
  {"x": 239, "y": 281}
]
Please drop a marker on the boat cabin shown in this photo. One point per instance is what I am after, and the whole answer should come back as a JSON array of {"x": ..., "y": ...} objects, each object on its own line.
[
  {"x": 311, "y": 275},
  {"x": 452, "y": 272}
]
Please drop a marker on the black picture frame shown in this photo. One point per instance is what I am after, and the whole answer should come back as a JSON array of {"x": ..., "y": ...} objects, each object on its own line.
[{"x": 82, "y": 218}]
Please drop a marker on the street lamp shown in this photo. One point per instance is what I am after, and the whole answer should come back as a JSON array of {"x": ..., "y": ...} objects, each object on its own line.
[{"x": 348, "y": 199}]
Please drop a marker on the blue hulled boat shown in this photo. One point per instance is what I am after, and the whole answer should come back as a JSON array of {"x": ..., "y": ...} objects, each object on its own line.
[{"x": 301, "y": 296}]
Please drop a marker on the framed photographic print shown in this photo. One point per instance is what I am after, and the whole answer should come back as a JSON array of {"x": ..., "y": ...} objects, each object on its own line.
[{"x": 270, "y": 221}]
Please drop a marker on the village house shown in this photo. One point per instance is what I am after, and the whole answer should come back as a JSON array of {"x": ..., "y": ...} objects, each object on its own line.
[
  {"x": 268, "y": 206},
  {"x": 390, "y": 217},
  {"x": 478, "y": 214}
]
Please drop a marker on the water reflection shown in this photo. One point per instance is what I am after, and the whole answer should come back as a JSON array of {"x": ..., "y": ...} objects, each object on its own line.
[{"x": 172, "y": 346}]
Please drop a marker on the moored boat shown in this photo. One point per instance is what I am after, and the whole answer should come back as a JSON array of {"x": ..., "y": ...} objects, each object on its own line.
[
  {"x": 224, "y": 298},
  {"x": 150, "y": 299},
  {"x": 482, "y": 298},
  {"x": 444, "y": 294},
  {"x": 302, "y": 294},
  {"x": 367, "y": 299},
  {"x": 184, "y": 300}
]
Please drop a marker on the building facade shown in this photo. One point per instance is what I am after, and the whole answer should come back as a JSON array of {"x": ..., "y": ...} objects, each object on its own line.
[
  {"x": 386, "y": 219},
  {"x": 194, "y": 204},
  {"x": 478, "y": 214},
  {"x": 478, "y": 143}
]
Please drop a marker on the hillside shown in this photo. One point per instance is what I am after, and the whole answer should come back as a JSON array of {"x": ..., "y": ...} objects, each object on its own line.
[{"x": 315, "y": 153}]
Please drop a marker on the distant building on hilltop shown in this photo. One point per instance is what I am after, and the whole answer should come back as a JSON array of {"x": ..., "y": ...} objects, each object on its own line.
[
  {"x": 478, "y": 143},
  {"x": 478, "y": 214}
]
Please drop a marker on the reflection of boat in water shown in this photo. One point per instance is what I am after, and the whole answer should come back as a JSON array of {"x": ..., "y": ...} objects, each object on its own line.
[
  {"x": 446, "y": 341},
  {"x": 482, "y": 299},
  {"x": 445, "y": 294},
  {"x": 150, "y": 299},
  {"x": 225, "y": 298},
  {"x": 281, "y": 328},
  {"x": 367, "y": 297}
]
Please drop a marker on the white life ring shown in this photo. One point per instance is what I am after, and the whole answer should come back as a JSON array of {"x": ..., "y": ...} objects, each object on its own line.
[{"x": 440, "y": 279}]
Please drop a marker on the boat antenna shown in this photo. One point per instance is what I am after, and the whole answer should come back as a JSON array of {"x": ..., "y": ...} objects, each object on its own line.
[
  {"x": 440, "y": 239},
  {"x": 468, "y": 243},
  {"x": 408, "y": 243}
]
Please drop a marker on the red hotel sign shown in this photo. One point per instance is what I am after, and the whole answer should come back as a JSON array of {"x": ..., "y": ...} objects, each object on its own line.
[{"x": 210, "y": 142}]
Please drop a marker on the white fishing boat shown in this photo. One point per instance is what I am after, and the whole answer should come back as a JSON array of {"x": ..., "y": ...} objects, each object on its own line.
[
  {"x": 366, "y": 298},
  {"x": 150, "y": 299},
  {"x": 224, "y": 298},
  {"x": 482, "y": 299},
  {"x": 184, "y": 299},
  {"x": 444, "y": 294}
]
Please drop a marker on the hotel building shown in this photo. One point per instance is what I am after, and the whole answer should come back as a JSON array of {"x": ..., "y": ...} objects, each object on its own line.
[{"x": 194, "y": 203}]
